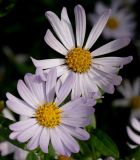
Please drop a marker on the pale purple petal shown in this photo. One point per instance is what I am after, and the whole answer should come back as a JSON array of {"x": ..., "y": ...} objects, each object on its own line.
[
  {"x": 34, "y": 141},
  {"x": 97, "y": 29},
  {"x": 58, "y": 28},
  {"x": 28, "y": 133},
  {"x": 20, "y": 108},
  {"x": 80, "y": 19},
  {"x": 48, "y": 63},
  {"x": 77, "y": 132},
  {"x": 36, "y": 86},
  {"x": 113, "y": 61},
  {"x": 44, "y": 140},
  {"x": 65, "y": 89},
  {"x": 133, "y": 136},
  {"x": 54, "y": 43},
  {"x": 68, "y": 27},
  {"x": 67, "y": 139},
  {"x": 26, "y": 94},
  {"x": 76, "y": 122},
  {"x": 50, "y": 85},
  {"x": 111, "y": 47},
  {"x": 56, "y": 142},
  {"x": 22, "y": 125}
]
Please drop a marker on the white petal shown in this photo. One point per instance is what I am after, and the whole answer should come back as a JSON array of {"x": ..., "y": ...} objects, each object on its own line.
[
  {"x": 68, "y": 27},
  {"x": 48, "y": 63},
  {"x": 76, "y": 93},
  {"x": 36, "y": 85},
  {"x": 121, "y": 103},
  {"x": 44, "y": 140},
  {"x": 26, "y": 94},
  {"x": 97, "y": 29},
  {"x": 111, "y": 47},
  {"x": 7, "y": 114},
  {"x": 54, "y": 43},
  {"x": 135, "y": 123},
  {"x": 131, "y": 146},
  {"x": 14, "y": 135},
  {"x": 22, "y": 125},
  {"x": 20, "y": 154},
  {"x": 113, "y": 61},
  {"x": 56, "y": 142},
  {"x": 28, "y": 133},
  {"x": 65, "y": 89},
  {"x": 67, "y": 139},
  {"x": 6, "y": 148},
  {"x": 133, "y": 136},
  {"x": 34, "y": 141},
  {"x": 20, "y": 108},
  {"x": 40, "y": 72},
  {"x": 50, "y": 85},
  {"x": 80, "y": 19},
  {"x": 136, "y": 87},
  {"x": 58, "y": 28}
]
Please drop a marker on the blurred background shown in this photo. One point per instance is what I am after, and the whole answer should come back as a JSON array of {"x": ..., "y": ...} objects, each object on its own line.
[{"x": 22, "y": 29}]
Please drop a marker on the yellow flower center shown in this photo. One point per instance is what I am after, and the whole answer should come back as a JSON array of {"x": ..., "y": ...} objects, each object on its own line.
[
  {"x": 48, "y": 115},
  {"x": 61, "y": 157},
  {"x": 112, "y": 23},
  {"x": 135, "y": 102},
  {"x": 79, "y": 60}
]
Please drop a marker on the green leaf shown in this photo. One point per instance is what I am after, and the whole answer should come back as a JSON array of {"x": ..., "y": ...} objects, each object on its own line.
[
  {"x": 32, "y": 156},
  {"x": 103, "y": 144},
  {"x": 6, "y": 7},
  {"x": 134, "y": 154}
]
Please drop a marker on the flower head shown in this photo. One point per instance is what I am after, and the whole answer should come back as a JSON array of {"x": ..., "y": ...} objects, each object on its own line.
[
  {"x": 48, "y": 121},
  {"x": 91, "y": 72},
  {"x": 121, "y": 21},
  {"x": 131, "y": 93}
]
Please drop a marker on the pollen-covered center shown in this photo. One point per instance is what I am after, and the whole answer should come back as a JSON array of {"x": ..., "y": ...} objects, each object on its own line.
[
  {"x": 113, "y": 23},
  {"x": 61, "y": 157},
  {"x": 48, "y": 115},
  {"x": 135, "y": 102},
  {"x": 79, "y": 60}
]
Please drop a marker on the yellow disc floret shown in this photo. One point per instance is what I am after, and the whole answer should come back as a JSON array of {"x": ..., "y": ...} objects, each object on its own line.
[
  {"x": 61, "y": 157},
  {"x": 48, "y": 115},
  {"x": 79, "y": 60},
  {"x": 112, "y": 23},
  {"x": 135, "y": 102}
]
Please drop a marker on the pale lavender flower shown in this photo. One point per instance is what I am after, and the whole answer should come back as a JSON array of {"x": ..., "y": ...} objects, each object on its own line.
[
  {"x": 50, "y": 121},
  {"x": 91, "y": 72},
  {"x": 120, "y": 23}
]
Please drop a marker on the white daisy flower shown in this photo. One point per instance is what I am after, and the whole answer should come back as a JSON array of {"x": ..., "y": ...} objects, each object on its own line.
[
  {"x": 91, "y": 72},
  {"x": 131, "y": 93},
  {"x": 47, "y": 121},
  {"x": 7, "y": 148},
  {"x": 133, "y": 132},
  {"x": 121, "y": 22}
]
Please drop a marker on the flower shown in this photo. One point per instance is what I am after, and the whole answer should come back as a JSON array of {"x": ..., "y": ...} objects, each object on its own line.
[
  {"x": 49, "y": 120},
  {"x": 131, "y": 93},
  {"x": 91, "y": 73},
  {"x": 133, "y": 132},
  {"x": 7, "y": 148},
  {"x": 121, "y": 22}
]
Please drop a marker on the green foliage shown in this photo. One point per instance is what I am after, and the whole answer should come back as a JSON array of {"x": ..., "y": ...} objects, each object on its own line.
[
  {"x": 103, "y": 145},
  {"x": 134, "y": 154},
  {"x": 32, "y": 156},
  {"x": 6, "y": 7}
]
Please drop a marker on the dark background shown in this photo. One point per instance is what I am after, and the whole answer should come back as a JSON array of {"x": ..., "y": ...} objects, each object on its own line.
[{"x": 22, "y": 28}]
